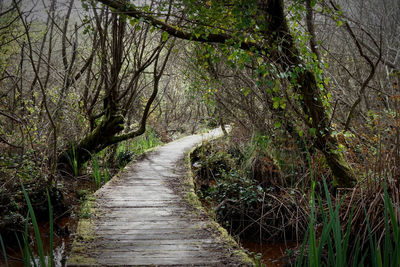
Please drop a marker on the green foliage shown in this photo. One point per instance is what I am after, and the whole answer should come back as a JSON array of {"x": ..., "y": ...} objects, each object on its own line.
[
  {"x": 27, "y": 252},
  {"x": 73, "y": 161},
  {"x": 130, "y": 149},
  {"x": 4, "y": 251},
  {"x": 96, "y": 172},
  {"x": 100, "y": 173},
  {"x": 35, "y": 227},
  {"x": 13, "y": 207},
  {"x": 85, "y": 212},
  {"x": 332, "y": 248},
  {"x": 9, "y": 28},
  {"x": 240, "y": 190},
  {"x": 25, "y": 165}
]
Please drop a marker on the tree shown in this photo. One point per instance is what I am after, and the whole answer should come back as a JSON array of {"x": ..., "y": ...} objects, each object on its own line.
[
  {"x": 75, "y": 83},
  {"x": 149, "y": 50},
  {"x": 261, "y": 28}
]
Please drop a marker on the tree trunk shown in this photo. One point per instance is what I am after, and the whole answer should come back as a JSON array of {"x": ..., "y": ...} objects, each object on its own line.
[
  {"x": 289, "y": 58},
  {"x": 93, "y": 143}
]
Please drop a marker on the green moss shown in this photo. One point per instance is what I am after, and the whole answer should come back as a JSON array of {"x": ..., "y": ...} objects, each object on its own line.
[
  {"x": 343, "y": 174},
  {"x": 85, "y": 235},
  {"x": 193, "y": 200},
  {"x": 225, "y": 238},
  {"x": 80, "y": 260},
  {"x": 221, "y": 234}
]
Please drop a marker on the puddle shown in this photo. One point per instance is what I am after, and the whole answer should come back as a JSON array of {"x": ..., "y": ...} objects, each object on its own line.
[
  {"x": 272, "y": 253},
  {"x": 61, "y": 244}
]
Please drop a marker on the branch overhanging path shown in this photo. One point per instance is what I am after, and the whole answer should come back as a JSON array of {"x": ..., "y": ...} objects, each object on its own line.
[{"x": 140, "y": 217}]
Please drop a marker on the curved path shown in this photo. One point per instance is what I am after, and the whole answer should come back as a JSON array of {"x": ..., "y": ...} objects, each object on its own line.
[{"x": 141, "y": 217}]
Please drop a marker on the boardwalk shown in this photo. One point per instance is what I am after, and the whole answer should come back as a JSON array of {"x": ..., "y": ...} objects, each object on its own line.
[{"x": 141, "y": 217}]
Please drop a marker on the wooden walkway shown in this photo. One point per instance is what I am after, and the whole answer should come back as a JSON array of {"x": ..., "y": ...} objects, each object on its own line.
[{"x": 141, "y": 217}]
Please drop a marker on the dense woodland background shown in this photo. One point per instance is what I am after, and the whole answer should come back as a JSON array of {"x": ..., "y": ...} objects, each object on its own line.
[{"x": 310, "y": 90}]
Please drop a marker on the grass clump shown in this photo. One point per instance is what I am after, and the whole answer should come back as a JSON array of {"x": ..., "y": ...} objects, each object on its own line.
[
  {"x": 26, "y": 248},
  {"x": 128, "y": 150},
  {"x": 335, "y": 244},
  {"x": 96, "y": 171}
]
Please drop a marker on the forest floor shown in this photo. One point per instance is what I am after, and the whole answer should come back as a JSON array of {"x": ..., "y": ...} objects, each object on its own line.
[{"x": 143, "y": 216}]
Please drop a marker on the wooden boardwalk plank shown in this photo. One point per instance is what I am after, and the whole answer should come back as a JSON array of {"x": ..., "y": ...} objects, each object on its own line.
[{"x": 139, "y": 219}]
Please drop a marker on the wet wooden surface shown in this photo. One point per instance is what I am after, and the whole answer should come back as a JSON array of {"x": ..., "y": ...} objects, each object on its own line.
[{"x": 140, "y": 219}]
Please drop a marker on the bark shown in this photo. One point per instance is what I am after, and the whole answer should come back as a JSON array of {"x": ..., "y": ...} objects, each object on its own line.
[
  {"x": 91, "y": 144},
  {"x": 313, "y": 106}
]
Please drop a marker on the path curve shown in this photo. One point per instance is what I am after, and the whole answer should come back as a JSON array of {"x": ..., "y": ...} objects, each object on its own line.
[{"x": 139, "y": 217}]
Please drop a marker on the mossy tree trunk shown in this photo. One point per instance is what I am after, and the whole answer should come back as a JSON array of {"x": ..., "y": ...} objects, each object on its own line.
[
  {"x": 93, "y": 143},
  {"x": 288, "y": 56}
]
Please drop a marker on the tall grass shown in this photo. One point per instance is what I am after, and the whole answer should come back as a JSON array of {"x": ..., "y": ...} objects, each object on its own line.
[
  {"x": 26, "y": 251},
  {"x": 106, "y": 174},
  {"x": 144, "y": 142},
  {"x": 100, "y": 176},
  {"x": 128, "y": 150},
  {"x": 73, "y": 161},
  {"x": 96, "y": 172},
  {"x": 333, "y": 246},
  {"x": 125, "y": 152},
  {"x": 51, "y": 229},
  {"x": 39, "y": 242},
  {"x": 4, "y": 251}
]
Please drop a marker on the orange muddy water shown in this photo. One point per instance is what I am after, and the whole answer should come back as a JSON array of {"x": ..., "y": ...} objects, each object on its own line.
[
  {"x": 61, "y": 242},
  {"x": 272, "y": 253}
]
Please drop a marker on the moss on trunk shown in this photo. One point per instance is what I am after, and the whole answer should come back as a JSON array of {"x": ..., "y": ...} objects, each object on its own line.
[
  {"x": 93, "y": 143},
  {"x": 277, "y": 31}
]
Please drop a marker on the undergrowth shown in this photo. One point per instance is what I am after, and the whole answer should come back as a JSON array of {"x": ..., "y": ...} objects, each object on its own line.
[
  {"x": 256, "y": 193},
  {"x": 109, "y": 161},
  {"x": 30, "y": 255},
  {"x": 14, "y": 204},
  {"x": 128, "y": 150}
]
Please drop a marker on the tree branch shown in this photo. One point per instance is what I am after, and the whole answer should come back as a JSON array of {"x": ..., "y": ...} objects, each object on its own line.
[{"x": 132, "y": 11}]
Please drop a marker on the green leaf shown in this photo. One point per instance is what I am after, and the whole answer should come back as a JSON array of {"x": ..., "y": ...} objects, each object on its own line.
[
  {"x": 133, "y": 22},
  {"x": 164, "y": 36},
  {"x": 246, "y": 91},
  {"x": 39, "y": 242},
  {"x": 313, "y": 3}
]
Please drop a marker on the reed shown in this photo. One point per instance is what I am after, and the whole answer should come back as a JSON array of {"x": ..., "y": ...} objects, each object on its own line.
[
  {"x": 51, "y": 229},
  {"x": 25, "y": 247},
  {"x": 73, "y": 161},
  {"x": 4, "y": 251},
  {"x": 96, "y": 172},
  {"x": 332, "y": 246},
  {"x": 39, "y": 242}
]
